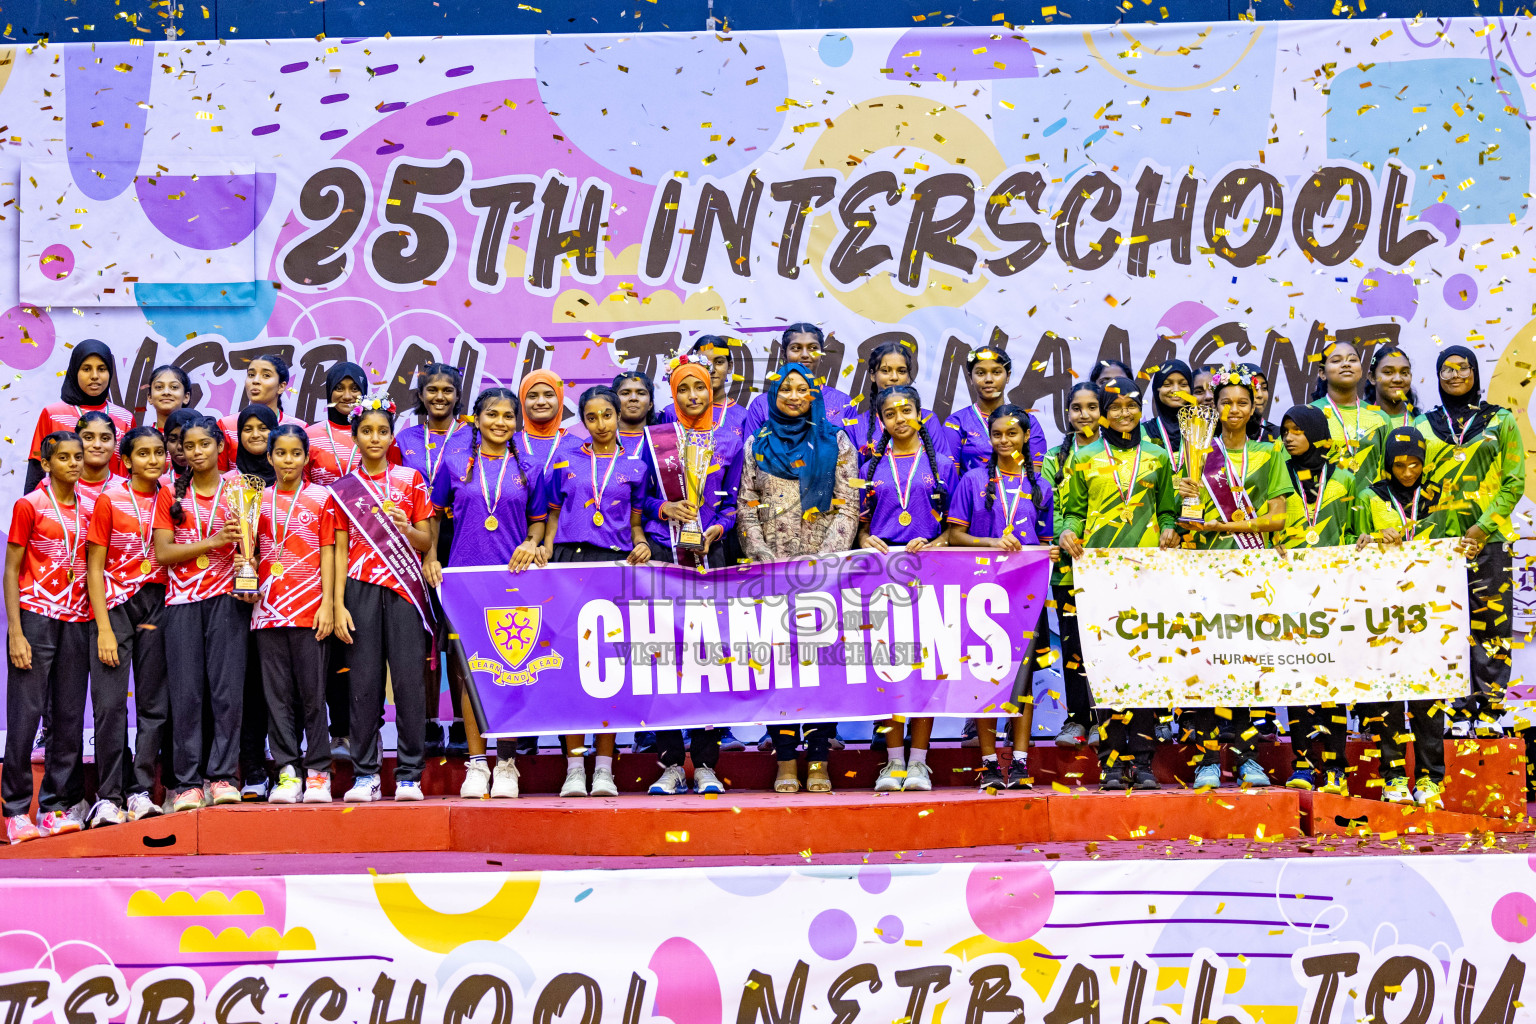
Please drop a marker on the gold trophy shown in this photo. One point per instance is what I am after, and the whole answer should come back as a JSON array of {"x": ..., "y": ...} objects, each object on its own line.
[
  {"x": 698, "y": 456},
  {"x": 245, "y": 505},
  {"x": 1197, "y": 423}
]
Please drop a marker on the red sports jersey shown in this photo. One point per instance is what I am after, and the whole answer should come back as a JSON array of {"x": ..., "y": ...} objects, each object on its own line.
[
  {"x": 290, "y": 557},
  {"x": 403, "y": 486},
  {"x": 232, "y": 440},
  {"x": 332, "y": 453},
  {"x": 53, "y": 569},
  {"x": 88, "y": 491},
  {"x": 208, "y": 575},
  {"x": 64, "y": 416},
  {"x": 123, "y": 522}
]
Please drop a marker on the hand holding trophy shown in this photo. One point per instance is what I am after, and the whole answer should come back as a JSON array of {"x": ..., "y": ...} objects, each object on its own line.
[
  {"x": 245, "y": 506},
  {"x": 1197, "y": 424},
  {"x": 698, "y": 455}
]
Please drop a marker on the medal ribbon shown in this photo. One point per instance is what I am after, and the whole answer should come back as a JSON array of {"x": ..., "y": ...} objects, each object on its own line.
[
  {"x": 1123, "y": 491},
  {"x": 490, "y": 507},
  {"x": 1239, "y": 490},
  {"x": 1312, "y": 514},
  {"x": 597, "y": 492},
  {"x": 442, "y": 451},
  {"x": 1010, "y": 507},
  {"x": 204, "y": 532},
  {"x": 69, "y": 545},
  {"x": 1410, "y": 526},
  {"x": 330, "y": 440},
  {"x": 146, "y": 528},
  {"x": 282, "y": 537},
  {"x": 367, "y": 480},
  {"x": 903, "y": 494},
  {"x": 1349, "y": 439}
]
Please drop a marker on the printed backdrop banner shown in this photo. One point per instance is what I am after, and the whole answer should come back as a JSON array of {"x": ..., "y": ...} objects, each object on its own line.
[
  {"x": 1238, "y": 628},
  {"x": 1441, "y": 938},
  {"x": 590, "y": 203},
  {"x": 571, "y": 648}
]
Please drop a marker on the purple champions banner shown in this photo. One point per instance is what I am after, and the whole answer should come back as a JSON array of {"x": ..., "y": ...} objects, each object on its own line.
[{"x": 578, "y": 647}]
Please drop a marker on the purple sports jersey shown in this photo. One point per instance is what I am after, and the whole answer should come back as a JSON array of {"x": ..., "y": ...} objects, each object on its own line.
[
  {"x": 570, "y": 489},
  {"x": 1031, "y": 508},
  {"x": 857, "y": 425},
  {"x": 912, "y": 476},
  {"x": 521, "y": 501},
  {"x": 971, "y": 443},
  {"x": 424, "y": 450}
]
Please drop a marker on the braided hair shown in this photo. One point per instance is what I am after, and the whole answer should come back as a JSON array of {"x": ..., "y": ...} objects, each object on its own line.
[
  {"x": 482, "y": 402},
  {"x": 433, "y": 371},
  {"x": 1003, "y": 412},
  {"x": 210, "y": 426},
  {"x": 650, "y": 390},
  {"x": 876, "y": 356},
  {"x": 279, "y": 364},
  {"x": 938, "y": 498}
]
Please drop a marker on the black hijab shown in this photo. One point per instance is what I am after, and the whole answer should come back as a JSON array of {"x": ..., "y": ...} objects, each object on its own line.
[
  {"x": 1466, "y": 415},
  {"x": 255, "y": 465},
  {"x": 1113, "y": 388},
  {"x": 333, "y": 378},
  {"x": 1166, "y": 415},
  {"x": 1404, "y": 441},
  {"x": 1306, "y": 469},
  {"x": 69, "y": 390}
]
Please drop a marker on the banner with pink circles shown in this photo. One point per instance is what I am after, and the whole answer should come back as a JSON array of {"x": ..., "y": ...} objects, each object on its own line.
[
  {"x": 590, "y": 203},
  {"x": 1321, "y": 940}
]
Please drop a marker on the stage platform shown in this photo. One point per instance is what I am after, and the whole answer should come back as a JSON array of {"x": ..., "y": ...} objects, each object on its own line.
[{"x": 1065, "y": 806}]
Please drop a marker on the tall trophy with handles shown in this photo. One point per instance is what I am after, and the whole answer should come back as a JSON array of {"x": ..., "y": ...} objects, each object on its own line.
[
  {"x": 244, "y": 500},
  {"x": 1197, "y": 424},
  {"x": 698, "y": 452}
]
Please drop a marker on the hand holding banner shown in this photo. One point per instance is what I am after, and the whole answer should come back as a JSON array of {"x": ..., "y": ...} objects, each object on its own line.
[
  {"x": 1255, "y": 628},
  {"x": 577, "y": 647}
]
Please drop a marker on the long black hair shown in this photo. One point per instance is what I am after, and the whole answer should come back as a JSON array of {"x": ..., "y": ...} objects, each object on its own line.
[
  {"x": 886, "y": 348},
  {"x": 482, "y": 402},
  {"x": 650, "y": 391},
  {"x": 1002, "y": 412},
  {"x": 938, "y": 498},
  {"x": 184, "y": 477},
  {"x": 432, "y": 371},
  {"x": 981, "y": 352},
  {"x": 279, "y": 364}
]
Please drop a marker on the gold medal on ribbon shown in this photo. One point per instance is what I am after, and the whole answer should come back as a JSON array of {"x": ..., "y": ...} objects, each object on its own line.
[
  {"x": 1312, "y": 537},
  {"x": 146, "y": 567},
  {"x": 597, "y": 519},
  {"x": 490, "y": 523},
  {"x": 389, "y": 506},
  {"x": 276, "y": 570},
  {"x": 202, "y": 561},
  {"x": 1239, "y": 515},
  {"x": 905, "y": 519}
]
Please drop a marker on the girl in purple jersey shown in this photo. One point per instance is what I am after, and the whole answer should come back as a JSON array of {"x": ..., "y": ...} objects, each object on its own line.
[
  {"x": 595, "y": 498},
  {"x": 1005, "y": 505},
  {"x": 891, "y": 364},
  {"x": 987, "y": 369},
  {"x": 498, "y": 512},
  {"x": 903, "y": 508}
]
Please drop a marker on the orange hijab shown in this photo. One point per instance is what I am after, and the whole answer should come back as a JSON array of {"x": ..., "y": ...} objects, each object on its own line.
[
  {"x": 552, "y": 428},
  {"x": 706, "y": 419}
]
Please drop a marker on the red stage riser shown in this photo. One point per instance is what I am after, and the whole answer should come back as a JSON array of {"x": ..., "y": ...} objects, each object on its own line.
[{"x": 1326, "y": 815}]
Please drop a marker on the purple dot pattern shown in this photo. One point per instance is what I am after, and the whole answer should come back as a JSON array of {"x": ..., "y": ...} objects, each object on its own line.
[
  {"x": 334, "y": 133},
  {"x": 1514, "y": 917},
  {"x": 1010, "y": 902},
  {"x": 832, "y": 934},
  {"x": 384, "y": 69},
  {"x": 26, "y": 337},
  {"x": 265, "y": 129},
  {"x": 389, "y": 108},
  {"x": 335, "y": 97},
  {"x": 298, "y": 65},
  {"x": 875, "y": 878},
  {"x": 891, "y": 929},
  {"x": 456, "y": 72},
  {"x": 1460, "y": 291},
  {"x": 433, "y": 122},
  {"x": 57, "y": 262}
]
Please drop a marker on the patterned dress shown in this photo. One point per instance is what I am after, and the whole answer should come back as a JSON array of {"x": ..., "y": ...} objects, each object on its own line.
[{"x": 769, "y": 517}]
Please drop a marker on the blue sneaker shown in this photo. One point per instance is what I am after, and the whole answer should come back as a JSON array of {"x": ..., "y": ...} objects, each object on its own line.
[
  {"x": 1335, "y": 783},
  {"x": 407, "y": 790},
  {"x": 1301, "y": 778},
  {"x": 1207, "y": 777},
  {"x": 1250, "y": 774}
]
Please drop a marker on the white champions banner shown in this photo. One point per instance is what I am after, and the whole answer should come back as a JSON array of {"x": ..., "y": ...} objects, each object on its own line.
[{"x": 1244, "y": 628}]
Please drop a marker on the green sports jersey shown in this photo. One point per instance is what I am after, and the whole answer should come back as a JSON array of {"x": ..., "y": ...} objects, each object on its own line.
[
  {"x": 1124, "y": 513},
  {"x": 1369, "y": 469},
  {"x": 1333, "y": 523},
  {"x": 1481, "y": 479},
  {"x": 1376, "y": 511},
  {"x": 1057, "y": 463},
  {"x": 1351, "y": 427},
  {"x": 1262, "y": 466}
]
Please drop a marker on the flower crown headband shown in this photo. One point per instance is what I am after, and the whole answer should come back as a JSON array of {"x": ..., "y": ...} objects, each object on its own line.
[
  {"x": 1236, "y": 374},
  {"x": 379, "y": 401}
]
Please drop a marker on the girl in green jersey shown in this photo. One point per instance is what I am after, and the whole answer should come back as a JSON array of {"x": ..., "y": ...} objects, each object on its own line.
[
  {"x": 1351, "y": 421},
  {"x": 1119, "y": 494}
]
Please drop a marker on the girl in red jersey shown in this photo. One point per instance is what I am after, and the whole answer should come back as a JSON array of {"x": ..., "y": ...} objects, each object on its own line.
[
  {"x": 169, "y": 389},
  {"x": 379, "y": 519},
  {"x": 292, "y": 619},
  {"x": 99, "y": 436},
  {"x": 46, "y": 613},
  {"x": 266, "y": 378},
  {"x": 195, "y": 537},
  {"x": 127, "y": 591},
  {"x": 87, "y": 382}
]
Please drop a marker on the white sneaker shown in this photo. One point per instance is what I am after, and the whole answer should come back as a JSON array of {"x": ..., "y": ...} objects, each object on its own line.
[
  {"x": 706, "y": 781},
  {"x": 365, "y": 790},
  {"x": 575, "y": 782},
  {"x": 477, "y": 781},
  {"x": 919, "y": 778},
  {"x": 407, "y": 791},
  {"x": 892, "y": 773},
  {"x": 104, "y": 812},
  {"x": 672, "y": 782},
  {"x": 140, "y": 806},
  {"x": 504, "y": 780},
  {"x": 254, "y": 791},
  {"x": 602, "y": 782},
  {"x": 287, "y": 789},
  {"x": 317, "y": 787}
]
